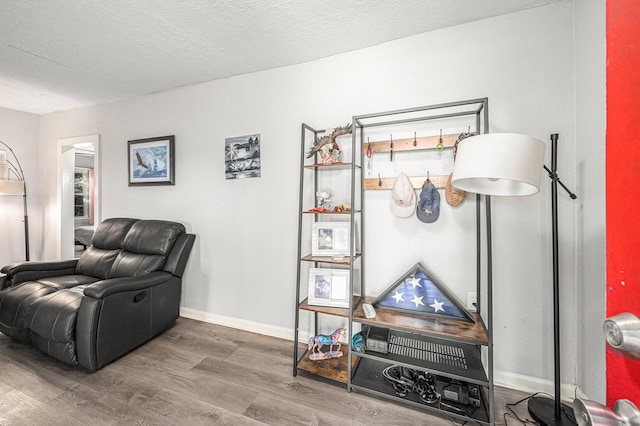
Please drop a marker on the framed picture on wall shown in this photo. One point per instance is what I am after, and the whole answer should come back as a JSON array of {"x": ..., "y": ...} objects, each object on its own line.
[
  {"x": 152, "y": 161},
  {"x": 328, "y": 287},
  {"x": 242, "y": 157}
]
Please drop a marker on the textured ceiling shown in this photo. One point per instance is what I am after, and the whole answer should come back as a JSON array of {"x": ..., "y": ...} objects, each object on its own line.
[{"x": 58, "y": 55}]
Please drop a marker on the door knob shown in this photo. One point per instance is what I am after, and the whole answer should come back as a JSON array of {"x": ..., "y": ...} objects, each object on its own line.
[
  {"x": 622, "y": 333},
  {"x": 590, "y": 413}
]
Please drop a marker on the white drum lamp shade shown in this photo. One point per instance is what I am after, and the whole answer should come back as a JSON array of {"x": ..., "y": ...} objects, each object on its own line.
[{"x": 504, "y": 164}]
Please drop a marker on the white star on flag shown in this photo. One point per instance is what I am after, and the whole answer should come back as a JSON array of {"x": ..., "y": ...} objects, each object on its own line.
[
  {"x": 415, "y": 282},
  {"x": 437, "y": 305},
  {"x": 398, "y": 297},
  {"x": 417, "y": 300}
]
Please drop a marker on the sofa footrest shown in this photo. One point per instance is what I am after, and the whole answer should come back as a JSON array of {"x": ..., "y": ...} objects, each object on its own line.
[
  {"x": 14, "y": 300},
  {"x": 53, "y": 317}
]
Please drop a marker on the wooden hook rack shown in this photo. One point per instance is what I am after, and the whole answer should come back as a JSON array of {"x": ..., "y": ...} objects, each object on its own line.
[
  {"x": 416, "y": 181},
  {"x": 422, "y": 143}
]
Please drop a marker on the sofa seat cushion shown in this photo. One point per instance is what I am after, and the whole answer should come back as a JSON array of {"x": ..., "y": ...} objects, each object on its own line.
[{"x": 68, "y": 281}]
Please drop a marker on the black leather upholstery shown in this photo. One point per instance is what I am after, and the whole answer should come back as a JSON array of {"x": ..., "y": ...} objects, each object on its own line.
[
  {"x": 124, "y": 290},
  {"x": 106, "y": 244}
]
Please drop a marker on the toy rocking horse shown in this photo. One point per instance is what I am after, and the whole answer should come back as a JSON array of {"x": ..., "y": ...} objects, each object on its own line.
[{"x": 317, "y": 342}]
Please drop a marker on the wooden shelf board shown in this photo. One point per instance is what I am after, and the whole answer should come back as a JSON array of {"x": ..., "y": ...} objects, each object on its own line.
[
  {"x": 461, "y": 331},
  {"x": 340, "y": 312},
  {"x": 330, "y": 212},
  {"x": 416, "y": 181},
  {"x": 328, "y": 259},
  {"x": 333, "y": 369},
  {"x": 330, "y": 166}
]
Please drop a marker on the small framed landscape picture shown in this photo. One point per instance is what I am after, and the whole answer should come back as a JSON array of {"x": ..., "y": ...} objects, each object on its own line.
[
  {"x": 329, "y": 287},
  {"x": 152, "y": 161},
  {"x": 330, "y": 239},
  {"x": 242, "y": 157}
]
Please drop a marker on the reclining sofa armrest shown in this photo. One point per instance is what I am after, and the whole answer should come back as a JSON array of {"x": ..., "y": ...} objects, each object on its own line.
[
  {"x": 29, "y": 271},
  {"x": 104, "y": 288},
  {"x": 177, "y": 260},
  {"x": 119, "y": 314}
]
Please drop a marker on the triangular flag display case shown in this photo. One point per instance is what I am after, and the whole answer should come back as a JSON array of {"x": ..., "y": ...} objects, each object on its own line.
[
  {"x": 419, "y": 292},
  {"x": 423, "y": 348}
]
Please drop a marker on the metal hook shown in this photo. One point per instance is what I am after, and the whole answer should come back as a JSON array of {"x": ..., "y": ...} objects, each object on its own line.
[
  {"x": 379, "y": 180},
  {"x": 391, "y": 147},
  {"x": 440, "y": 145},
  {"x": 369, "y": 155},
  {"x": 415, "y": 141}
]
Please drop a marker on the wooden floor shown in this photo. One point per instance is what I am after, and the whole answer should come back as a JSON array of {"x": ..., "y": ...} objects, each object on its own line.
[{"x": 195, "y": 373}]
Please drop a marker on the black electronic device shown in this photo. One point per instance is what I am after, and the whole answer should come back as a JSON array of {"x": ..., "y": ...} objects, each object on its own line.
[
  {"x": 377, "y": 339},
  {"x": 458, "y": 391}
]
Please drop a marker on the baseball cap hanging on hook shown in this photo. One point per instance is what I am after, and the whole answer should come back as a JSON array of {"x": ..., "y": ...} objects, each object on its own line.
[
  {"x": 428, "y": 208},
  {"x": 403, "y": 196},
  {"x": 453, "y": 195}
]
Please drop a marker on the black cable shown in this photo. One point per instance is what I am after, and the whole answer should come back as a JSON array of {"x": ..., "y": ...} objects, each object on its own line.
[
  {"x": 405, "y": 380},
  {"x": 515, "y": 416}
]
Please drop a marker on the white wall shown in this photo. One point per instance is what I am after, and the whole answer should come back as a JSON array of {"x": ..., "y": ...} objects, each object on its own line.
[
  {"x": 242, "y": 270},
  {"x": 590, "y": 219},
  {"x": 19, "y": 130}
]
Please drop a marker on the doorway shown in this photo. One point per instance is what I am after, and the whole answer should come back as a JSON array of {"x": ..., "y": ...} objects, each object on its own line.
[{"x": 78, "y": 193}]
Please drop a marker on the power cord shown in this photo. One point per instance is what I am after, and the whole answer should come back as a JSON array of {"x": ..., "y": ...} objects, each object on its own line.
[
  {"x": 512, "y": 414},
  {"x": 405, "y": 380}
]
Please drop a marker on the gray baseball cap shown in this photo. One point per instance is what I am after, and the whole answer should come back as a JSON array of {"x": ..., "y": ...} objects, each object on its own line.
[{"x": 428, "y": 207}]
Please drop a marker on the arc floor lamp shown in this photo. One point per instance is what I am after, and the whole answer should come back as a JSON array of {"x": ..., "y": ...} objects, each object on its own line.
[
  {"x": 508, "y": 164},
  {"x": 10, "y": 167}
]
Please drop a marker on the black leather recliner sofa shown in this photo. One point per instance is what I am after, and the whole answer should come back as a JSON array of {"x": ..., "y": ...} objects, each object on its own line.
[{"x": 123, "y": 290}]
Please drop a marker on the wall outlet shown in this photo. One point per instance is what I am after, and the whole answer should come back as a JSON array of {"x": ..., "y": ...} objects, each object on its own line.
[{"x": 472, "y": 301}]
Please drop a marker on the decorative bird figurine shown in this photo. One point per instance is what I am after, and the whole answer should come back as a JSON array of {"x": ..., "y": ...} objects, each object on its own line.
[
  {"x": 326, "y": 145},
  {"x": 140, "y": 162}
]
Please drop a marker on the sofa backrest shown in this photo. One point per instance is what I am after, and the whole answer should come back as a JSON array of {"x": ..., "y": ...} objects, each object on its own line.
[
  {"x": 123, "y": 247},
  {"x": 106, "y": 244},
  {"x": 146, "y": 247}
]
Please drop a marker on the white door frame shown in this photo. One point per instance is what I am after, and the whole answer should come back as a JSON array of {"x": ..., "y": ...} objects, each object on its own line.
[{"x": 64, "y": 145}]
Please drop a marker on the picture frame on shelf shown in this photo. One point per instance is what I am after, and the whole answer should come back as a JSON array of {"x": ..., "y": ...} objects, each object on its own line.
[
  {"x": 330, "y": 238},
  {"x": 329, "y": 287},
  {"x": 152, "y": 161}
]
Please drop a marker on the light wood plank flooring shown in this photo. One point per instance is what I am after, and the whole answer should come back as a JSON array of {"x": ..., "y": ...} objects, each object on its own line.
[{"x": 194, "y": 374}]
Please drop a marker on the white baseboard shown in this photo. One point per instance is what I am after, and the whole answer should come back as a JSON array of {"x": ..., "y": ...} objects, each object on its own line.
[
  {"x": 254, "y": 327},
  {"x": 505, "y": 379},
  {"x": 532, "y": 385}
]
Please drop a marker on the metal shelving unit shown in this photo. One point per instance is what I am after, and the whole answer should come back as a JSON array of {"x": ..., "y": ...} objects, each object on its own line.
[
  {"x": 451, "y": 350},
  {"x": 345, "y": 176}
]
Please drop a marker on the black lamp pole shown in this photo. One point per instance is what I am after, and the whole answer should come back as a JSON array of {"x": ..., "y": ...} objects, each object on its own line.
[
  {"x": 545, "y": 411},
  {"x": 26, "y": 222}
]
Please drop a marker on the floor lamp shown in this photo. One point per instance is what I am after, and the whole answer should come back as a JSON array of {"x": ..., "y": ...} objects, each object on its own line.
[
  {"x": 17, "y": 186},
  {"x": 508, "y": 164}
]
